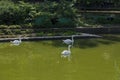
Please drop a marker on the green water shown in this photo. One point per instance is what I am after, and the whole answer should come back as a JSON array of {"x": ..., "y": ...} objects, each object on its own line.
[{"x": 41, "y": 61}]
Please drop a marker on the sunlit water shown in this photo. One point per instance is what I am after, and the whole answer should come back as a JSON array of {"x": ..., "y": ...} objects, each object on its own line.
[{"x": 42, "y": 61}]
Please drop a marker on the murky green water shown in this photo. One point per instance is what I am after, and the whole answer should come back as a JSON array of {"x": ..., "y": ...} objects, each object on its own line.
[{"x": 42, "y": 61}]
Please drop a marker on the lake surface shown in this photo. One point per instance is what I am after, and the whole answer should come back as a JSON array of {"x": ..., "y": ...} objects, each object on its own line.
[{"x": 42, "y": 60}]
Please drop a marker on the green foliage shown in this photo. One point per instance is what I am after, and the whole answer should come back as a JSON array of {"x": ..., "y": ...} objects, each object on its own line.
[
  {"x": 7, "y": 31},
  {"x": 40, "y": 34},
  {"x": 8, "y": 9},
  {"x": 3, "y": 26},
  {"x": 45, "y": 14},
  {"x": 18, "y": 13},
  {"x": 63, "y": 13},
  {"x": 98, "y": 4},
  {"x": 10, "y": 27},
  {"x": 43, "y": 20},
  {"x": 65, "y": 22},
  {"x": 47, "y": 6},
  {"x": 27, "y": 11},
  {"x": 91, "y": 18},
  {"x": 17, "y": 31},
  {"x": 66, "y": 13},
  {"x": 16, "y": 26}
]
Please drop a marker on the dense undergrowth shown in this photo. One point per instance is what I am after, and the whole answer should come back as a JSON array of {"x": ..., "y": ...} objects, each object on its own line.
[
  {"x": 45, "y": 14},
  {"x": 49, "y": 14},
  {"x": 24, "y": 17}
]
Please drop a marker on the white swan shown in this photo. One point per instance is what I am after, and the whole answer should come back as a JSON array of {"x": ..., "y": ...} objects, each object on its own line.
[
  {"x": 69, "y": 41},
  {"x": 66, "y": 53},
  {"x": 16, "y": 42}
]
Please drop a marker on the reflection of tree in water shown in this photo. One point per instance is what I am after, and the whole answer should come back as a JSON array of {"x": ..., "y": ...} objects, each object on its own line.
[
  {"x": 86, "y": 43},
  {"x": 82, "y": 43},
  {"x": 113, "y": 38},
  {"x": 105, "y": 41},
  {"x": 58, "y": 43}
]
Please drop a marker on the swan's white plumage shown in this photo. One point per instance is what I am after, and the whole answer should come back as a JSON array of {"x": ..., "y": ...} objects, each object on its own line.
[{"x": 16, "y": 42}]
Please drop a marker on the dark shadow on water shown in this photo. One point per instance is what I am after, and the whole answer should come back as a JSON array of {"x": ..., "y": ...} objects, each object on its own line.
[
  {"x": 115, "y": 38},
  {"x": 55, "y": 43},
  {"x": 58, "y": 43},
  {"x": 80, "y": 43},
  {"x": 86, "y": 43},
  {"x": 105, "y": 41}
]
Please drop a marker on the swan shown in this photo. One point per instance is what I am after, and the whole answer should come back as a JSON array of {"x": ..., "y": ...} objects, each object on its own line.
[
  {"x": 69, "y": 41},
  {"x": 16, "y": 42},
  {"x": 66, "y": 53}
]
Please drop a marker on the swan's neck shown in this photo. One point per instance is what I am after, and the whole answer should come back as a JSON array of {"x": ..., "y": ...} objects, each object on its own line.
[
  {"x": 72, "y": 39},
  {"x": 20, "y": 39},
  {"x": 69, "y": 47}
]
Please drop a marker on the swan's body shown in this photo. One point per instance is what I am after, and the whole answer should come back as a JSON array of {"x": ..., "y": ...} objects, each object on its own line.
[
  {"x": 66, "y": 53},
  {"x": 69, "y": 41},
  {"x": 16, "y": 42}
]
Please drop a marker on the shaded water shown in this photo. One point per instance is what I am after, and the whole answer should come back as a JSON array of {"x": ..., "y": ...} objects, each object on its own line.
[{"x": 42, "y": 61}]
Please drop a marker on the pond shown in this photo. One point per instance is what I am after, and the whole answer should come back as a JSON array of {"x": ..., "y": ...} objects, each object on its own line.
[{"x": 42, "y": 60}]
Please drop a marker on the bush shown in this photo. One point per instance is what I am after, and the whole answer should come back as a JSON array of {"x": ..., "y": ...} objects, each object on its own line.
[
  {"x": 17, "y": 31},
  {"x": 14, "y": 26},
  {"x": 65, "y": 22},
  {"x": 54, "y": 14},
  {"x": 3, "y": 26},
  {"x": 7, "y": 12},
  {"x": 45, "y": 14},
  {"x": 40, "y": 34},
  {"x": 91, "y": 18},
  {"x": 27, "y": 12},
  {"x": 66, "y": 13},
  {"x": 7, "y": 31},
  {"x": 18, "y": 13},
  {"x": 10, "y": 27},
  {"x": 43, "y": 20}
]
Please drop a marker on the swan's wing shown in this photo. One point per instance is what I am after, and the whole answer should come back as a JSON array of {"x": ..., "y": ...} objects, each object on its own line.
[
  {"x": 68, "y": 41},
  {"x": 65, "y": 51},
  {"x": 15, "y": 41}
]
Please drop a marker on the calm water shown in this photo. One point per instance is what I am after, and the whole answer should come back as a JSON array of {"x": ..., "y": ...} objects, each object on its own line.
[{"x": 42, "y": 61}]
